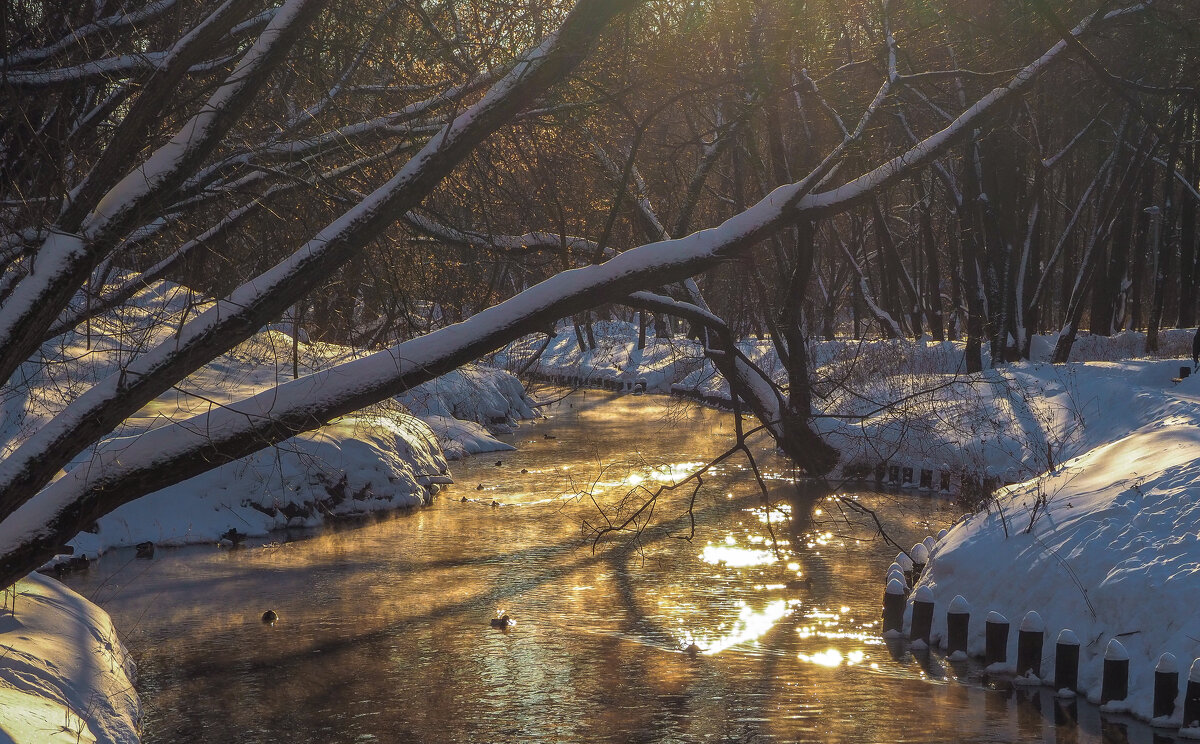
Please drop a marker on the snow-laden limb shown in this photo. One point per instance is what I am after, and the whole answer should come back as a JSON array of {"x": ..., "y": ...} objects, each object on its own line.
[
  {"x": 249, "y": 307},
  {"x": 77, "y": 36},
  {"x": 508, "y": 243},
  {"x": 128, "y": 137},
  {"x": 40, "y": 297}
]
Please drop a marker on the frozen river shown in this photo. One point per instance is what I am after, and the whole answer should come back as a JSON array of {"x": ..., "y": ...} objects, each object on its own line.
[{"x": 384, "y": 630}]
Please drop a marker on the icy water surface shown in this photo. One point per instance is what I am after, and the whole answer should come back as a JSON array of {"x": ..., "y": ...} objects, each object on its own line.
[{"x": 384, "y": 628}]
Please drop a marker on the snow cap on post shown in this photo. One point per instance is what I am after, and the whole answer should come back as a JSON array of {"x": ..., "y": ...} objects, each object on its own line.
[
  {"x": 929, "y": 542},
  {"x": 942, "y": 533},
  {"x": 905, "y": 562},
  {"x": 1194, "y": 674},
  {"x": 894, "y": 568},
  {"x": 1032, "y": 623},
  {"x": 1167, "y": 664},
  {"x": 895, "y": 586},
  {"x": 1067, "y": 637},
  {"x": 920, "y": 554},
  {"x": 897, "y": 574},
  {"x": 923, "y": 594},
  {"x": 959, "y": 606},
  {"x": 1115, "y": 651},
  {"x": 996, "y": 617}
]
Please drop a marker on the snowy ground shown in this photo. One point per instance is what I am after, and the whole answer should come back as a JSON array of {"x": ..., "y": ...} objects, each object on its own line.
[{"x": 64, "y": 676}]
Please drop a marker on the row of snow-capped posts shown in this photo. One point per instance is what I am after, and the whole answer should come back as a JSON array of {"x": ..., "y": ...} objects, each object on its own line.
[
  {"x": 1114, "y": 686},
  {"x": 907, "y": 476}
]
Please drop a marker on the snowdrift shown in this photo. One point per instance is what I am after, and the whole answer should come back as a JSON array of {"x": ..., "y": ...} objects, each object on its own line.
[
  {"x": 64, "y": 676},
  {"x": 1107, "y": 545}
]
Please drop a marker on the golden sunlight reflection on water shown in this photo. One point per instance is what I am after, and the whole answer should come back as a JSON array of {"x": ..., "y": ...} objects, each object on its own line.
[{"x": 384, "y": 626}]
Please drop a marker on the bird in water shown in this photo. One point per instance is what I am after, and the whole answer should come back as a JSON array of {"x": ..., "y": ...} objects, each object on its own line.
[{"x": 503, "y": 621}]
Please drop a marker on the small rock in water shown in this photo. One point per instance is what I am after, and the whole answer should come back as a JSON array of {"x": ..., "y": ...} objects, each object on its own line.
[
  {"x": 504, "y": 621},
  {"x": 499, "y": 463},
  {"x": 145, "y": 549},
  {"x": 270, "y": 617},
  {"x": 523, "y": 470}
]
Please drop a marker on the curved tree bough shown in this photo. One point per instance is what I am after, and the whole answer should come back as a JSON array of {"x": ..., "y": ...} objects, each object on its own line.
[{"x": 121, "y": 473}]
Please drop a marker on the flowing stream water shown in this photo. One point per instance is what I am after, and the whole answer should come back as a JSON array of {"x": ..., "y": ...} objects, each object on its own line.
[{"x": 384, "y": 631}]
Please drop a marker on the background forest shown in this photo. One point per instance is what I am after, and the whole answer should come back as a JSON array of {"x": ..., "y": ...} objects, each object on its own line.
[{"x": 368, "y": 173}]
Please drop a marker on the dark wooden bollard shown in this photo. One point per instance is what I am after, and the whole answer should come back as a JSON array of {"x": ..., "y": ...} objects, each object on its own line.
[
  {"x": 1029, "y": 645},
  {"x": 894, "y": 474},
  {"x": 922, "y": 617},
  {"x": 906, "y": 476},
  {"x": 893, "y": 608},
  {"x": 1191, "y": 698},
  {"x": 995, "y": 638},
  {"x": 1066, "y": 662},
  {"x": 1185, "y": 372},
  {"x": 944, "y": 480},
  {"x": 1115, "y": 684},
  {"x": 926, "y": 480},
  {"x": 920, "y": 557},
  {"x": 1166, "y": 685},
  {"x": 958, "y": 618}
]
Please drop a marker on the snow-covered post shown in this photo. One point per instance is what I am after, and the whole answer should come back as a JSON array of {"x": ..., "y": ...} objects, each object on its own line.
[
  {"x": 995, "y": 639},
  {"x": 922, "y": 617},
  {"x": 920, "y": 557},
  {"x": 1115, "y": 685},
  {"x": 1029, "y": 644},
  {"x": 958, "y": 618},
  {"x": 1066, "y": 662},
  {"x": 906, "y": 564},
  {"x": 893, "y": 609},
  {"x": 930, "y": 542},
  {"x": 895, "y": 572},
  {"x": 1166, "y": 685},
  {"x": 1191, "y": 698}
]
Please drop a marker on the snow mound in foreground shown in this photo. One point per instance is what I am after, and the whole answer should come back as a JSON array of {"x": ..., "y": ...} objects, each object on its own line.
[
  {"x": 1107, "y": 545},
  {"x": 64, "y": 676}
]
